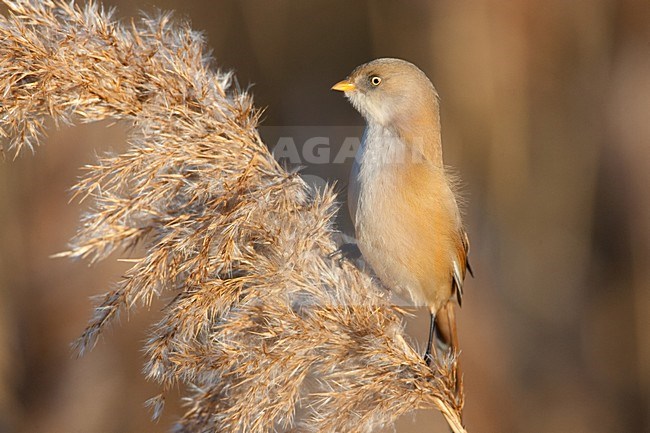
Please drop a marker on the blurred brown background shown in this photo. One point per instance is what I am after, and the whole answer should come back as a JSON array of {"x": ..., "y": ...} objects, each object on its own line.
[{"x": 546, "y": 115}]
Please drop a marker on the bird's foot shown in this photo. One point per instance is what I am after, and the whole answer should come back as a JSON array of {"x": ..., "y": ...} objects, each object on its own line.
[
  {"x": 428, "y": 359},
  {"x": 348, "y": 251}
]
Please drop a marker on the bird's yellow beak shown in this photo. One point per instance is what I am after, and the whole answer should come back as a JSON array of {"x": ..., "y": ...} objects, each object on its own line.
[{"x": 344, "y": 86}]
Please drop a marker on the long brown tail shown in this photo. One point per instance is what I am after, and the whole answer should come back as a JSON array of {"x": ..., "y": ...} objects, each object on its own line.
[{"x": 447, "y": 334}]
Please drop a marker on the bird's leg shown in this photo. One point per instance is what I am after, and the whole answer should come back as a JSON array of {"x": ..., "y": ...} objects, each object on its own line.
[{"x": 428, "y": 357}]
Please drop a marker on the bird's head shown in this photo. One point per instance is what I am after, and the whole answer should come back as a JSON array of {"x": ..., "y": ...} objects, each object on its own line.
[{"x": 391, "y": 92}]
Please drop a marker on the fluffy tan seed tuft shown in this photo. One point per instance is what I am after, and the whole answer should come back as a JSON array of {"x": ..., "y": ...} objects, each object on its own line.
[{"x": 269, "y": 331}]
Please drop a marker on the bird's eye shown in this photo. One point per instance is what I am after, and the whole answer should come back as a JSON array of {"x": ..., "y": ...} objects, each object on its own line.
[{"x": 375, "y": 80}]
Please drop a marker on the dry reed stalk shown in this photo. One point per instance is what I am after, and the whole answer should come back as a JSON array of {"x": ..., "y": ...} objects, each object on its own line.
[{"x": 267, "y": 329}]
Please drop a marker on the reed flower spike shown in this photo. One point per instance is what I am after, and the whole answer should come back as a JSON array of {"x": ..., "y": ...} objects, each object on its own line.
[{"x": 267, "y": 331}]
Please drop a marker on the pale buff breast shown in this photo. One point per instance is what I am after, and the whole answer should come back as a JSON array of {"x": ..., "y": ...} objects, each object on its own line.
[{"x": 408, "y": 229}]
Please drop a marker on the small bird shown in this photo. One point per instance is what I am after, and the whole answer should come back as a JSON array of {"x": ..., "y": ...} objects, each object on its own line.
[{"x": 401, "y": 197}]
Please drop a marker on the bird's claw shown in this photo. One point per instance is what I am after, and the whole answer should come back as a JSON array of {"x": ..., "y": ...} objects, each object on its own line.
[{"x": 348, "y": 251}]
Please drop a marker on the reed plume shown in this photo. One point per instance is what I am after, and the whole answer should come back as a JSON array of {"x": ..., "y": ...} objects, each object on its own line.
[{"x": 267, "y": 328}]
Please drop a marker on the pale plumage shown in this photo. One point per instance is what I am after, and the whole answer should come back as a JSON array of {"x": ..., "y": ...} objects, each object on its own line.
[{"x": 406, "y": 217}]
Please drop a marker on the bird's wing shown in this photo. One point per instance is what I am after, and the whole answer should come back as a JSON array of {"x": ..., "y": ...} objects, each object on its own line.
[
  {"x": 446, "y": 317},
  {"x": 461, "y": 265}
]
